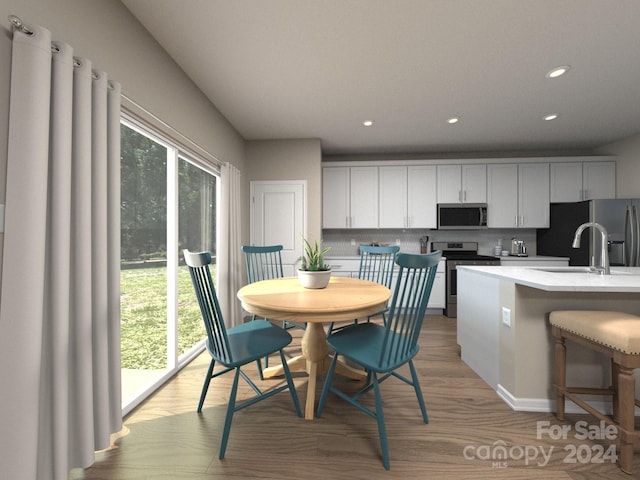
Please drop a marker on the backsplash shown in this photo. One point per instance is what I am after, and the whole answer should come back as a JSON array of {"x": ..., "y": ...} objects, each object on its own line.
[{"x": 340, "y": 241}]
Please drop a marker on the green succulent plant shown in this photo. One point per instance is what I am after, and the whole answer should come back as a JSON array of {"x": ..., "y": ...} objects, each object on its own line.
[{"x": 313, "y": 258}]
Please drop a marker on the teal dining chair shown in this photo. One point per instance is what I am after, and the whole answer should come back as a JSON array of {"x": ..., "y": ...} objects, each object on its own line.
[
  {"x": 382, "y": 349},
  {"x": 264, "y": 262},
  {"x": 376, "y": 264},
  {"x": 236, "y": 346}
]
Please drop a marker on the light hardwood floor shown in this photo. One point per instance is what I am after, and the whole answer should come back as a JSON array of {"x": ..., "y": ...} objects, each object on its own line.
[{"x": 166, "y": 439}]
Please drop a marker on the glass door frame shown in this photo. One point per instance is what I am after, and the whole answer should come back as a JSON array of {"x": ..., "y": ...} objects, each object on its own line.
[{"x": 175, "y": 361}]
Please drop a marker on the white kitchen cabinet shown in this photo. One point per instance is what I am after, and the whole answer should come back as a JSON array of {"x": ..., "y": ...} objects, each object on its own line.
[
  {"x": 393, "y": 197},
  {"x": 565, "y": 182},
  {"x": 344, "y": 266},
  {"x": 407, "y": 197},
  {"x": 576, "y": 181},
  {"x": 533, "y": 195},
  {"x": 462, "y": 183},
  {"x": 518, "y": 195},
  {"x": 350, "y": 197},
  {"x": 421, "y": 197},
  {"x": 502, "y": 195},
  {"x": 598, "y": 180},
  {"x": 438, "y": 296}
]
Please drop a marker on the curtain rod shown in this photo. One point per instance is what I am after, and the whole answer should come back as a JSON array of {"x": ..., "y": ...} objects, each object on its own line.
[
  {"x": 17, "y": 24},
  {"x": 190, "y": 142}
]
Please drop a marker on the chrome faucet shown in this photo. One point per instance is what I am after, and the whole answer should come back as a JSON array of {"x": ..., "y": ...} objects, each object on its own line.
[{"x": 604, "y": 254}]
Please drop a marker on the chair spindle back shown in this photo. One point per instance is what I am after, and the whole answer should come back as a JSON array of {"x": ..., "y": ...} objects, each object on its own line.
[
  {"x": 408, "y": 306},
  {"x": 377, "y": 263},
  {"x": 263, "y": 262},
  {"x": 217, "y": 339}
]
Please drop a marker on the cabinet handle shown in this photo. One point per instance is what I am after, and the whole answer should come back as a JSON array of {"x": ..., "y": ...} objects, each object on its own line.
[
  {"x": 516, "y": 221},
  {"x": 460, "y": 195}
]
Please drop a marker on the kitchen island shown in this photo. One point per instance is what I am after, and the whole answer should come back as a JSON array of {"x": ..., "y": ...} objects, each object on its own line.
[{"x": 504, "y": 334}]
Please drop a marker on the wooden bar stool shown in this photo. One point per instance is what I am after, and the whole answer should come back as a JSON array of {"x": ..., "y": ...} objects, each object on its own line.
[{"x": 617, "y": 335}]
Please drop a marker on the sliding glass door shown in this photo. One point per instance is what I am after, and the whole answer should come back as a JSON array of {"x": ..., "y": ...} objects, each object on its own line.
[{"x": 168, "y": 204}]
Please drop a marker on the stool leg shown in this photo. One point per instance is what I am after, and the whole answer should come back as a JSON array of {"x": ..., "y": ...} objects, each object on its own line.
[
  {"x": 561, "y": 358},
  {"x": 626, "y": 407},
  {"x": 615, "y": 371}
]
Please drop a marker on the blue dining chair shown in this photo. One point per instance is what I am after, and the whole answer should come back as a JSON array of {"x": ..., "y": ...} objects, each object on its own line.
[
  {"x": 376, "y": 264},
  {"x": 382, "y": 349},
  {"x": 236, "y": 346},
  {"x": 264, "y": 263}
]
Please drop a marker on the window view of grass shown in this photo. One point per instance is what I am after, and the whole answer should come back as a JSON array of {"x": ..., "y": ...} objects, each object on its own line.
[
  {"x": 144, "y": 316},
  {"x": 151, "y": 169}
]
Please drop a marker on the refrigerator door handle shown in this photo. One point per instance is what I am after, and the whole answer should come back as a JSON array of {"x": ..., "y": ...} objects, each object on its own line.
[
  {"x": 635, "y": 258},
  {"x": 627, "y": 249}
]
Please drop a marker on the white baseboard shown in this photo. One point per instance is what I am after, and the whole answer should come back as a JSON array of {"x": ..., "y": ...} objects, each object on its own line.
[{"x": 548, "y": 405}]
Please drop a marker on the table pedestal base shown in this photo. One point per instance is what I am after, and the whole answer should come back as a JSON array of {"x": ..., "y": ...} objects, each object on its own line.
[{"x": 314, "y": 360}]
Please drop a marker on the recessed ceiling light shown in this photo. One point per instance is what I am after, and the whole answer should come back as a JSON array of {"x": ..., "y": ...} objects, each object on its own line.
[
  {"x": 453, "y": 120},
  {"x": 551, "y": 116},
  {"x": 367, "y": 123},
  {"x": 558, "y": 71}
]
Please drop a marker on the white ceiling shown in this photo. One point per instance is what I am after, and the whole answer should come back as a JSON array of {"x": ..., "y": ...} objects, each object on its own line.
[{"x": 282, "y": 69}]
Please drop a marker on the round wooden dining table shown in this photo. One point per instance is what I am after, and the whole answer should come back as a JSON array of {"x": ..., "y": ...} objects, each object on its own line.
[{"x": 342, "y": 300}]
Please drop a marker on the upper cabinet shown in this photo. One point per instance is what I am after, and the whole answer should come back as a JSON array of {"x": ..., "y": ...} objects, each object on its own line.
[
  {"x": 462, "y": 183},
  {"x": 400, "y": 195},
  {"x": 518, "y": 195},
  {"x": 350, "y": 197},
  {"x": 407, "y": 196},
  {"x": 576, "y": 181},
  {"x": 598, "y": 180}
]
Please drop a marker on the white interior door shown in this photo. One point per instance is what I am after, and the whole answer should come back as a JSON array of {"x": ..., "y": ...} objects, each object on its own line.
[{"x": 278, "y": 217}]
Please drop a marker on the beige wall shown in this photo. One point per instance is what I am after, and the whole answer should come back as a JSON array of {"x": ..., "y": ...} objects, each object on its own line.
[
  {"x": 627, "y": 165},
  {"x": 106, "y": 33},
  {"x": 289, "y": 160}
]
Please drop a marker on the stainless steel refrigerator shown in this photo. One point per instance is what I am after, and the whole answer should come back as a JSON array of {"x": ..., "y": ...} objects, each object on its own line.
[{"x": 618, "y": 216}]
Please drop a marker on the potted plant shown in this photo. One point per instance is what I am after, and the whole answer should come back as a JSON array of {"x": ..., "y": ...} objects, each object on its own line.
[{"x": 313, "y": 272}]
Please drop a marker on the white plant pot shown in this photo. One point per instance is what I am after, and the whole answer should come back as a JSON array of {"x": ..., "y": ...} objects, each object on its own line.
[{"x": 314, "y": 279}]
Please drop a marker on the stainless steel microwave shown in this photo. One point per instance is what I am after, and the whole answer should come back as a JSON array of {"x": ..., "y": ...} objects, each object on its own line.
[{"x": 462, "y": 216}]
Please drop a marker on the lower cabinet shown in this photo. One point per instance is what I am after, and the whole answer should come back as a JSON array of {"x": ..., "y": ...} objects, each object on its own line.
[{"x": 348, "y": 267}]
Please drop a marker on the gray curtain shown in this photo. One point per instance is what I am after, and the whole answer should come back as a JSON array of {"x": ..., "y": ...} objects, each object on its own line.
[{"x": 59, "y": 303}]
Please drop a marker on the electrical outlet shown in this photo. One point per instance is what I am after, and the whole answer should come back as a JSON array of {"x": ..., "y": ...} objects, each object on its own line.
[
  {"x": 506, "y": 316},
  {"x": 397, "y": 241},
  {"x": 353, "y": 241}
]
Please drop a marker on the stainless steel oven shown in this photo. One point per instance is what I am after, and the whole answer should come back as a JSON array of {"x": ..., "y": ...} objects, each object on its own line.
[{"x": 459, "y": 253}]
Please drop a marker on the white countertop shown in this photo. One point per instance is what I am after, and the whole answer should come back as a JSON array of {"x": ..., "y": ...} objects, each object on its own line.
[{"x": 622, "y": 279}]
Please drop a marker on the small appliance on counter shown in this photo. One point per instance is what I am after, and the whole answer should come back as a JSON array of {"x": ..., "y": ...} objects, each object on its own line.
[
  {"x": 424, "y": 244},
  {"x": 518, "y": 248}
]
